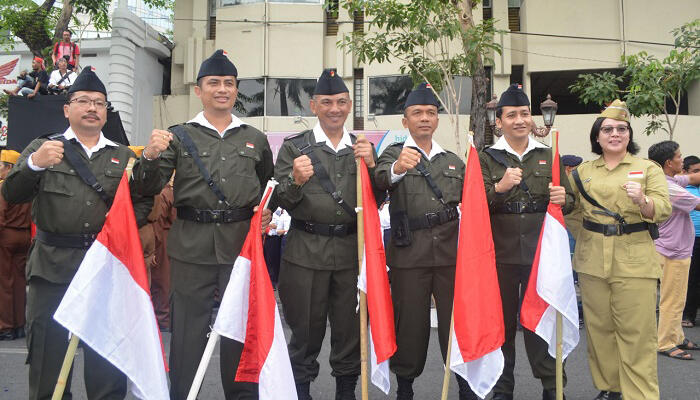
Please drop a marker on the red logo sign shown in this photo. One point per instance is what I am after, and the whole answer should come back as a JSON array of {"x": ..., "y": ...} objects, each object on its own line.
[{"x": 5, "y": 70}]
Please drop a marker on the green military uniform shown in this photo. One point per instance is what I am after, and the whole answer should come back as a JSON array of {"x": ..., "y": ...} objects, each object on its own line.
[
  {"x": 516, "y": 221},
  {"x": 202, "y": 253},
  {"x": 318, "y": 273},
  {"x": 62, "y": 204},
  {"x": 618, "y": 277},
  {"x": 427, "y": 266}
]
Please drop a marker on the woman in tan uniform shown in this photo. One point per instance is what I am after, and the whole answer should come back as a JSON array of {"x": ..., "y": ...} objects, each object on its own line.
[{"x": 615, "y": 258}]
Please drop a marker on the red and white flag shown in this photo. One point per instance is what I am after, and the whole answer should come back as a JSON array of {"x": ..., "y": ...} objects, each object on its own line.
[
  {"x": 249, "y": 314},
  {"x": 479, "y": 332},
  {"x": 550, "y": 288},
  {"x": 108, "y": 302},
  {"x": 374, "y": 282}
]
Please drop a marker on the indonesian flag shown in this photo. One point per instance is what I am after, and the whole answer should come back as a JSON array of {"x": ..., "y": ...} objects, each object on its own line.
[
  {"x": 249, "y": 314},
  {"x": 479, "y": 332},
  {"x": 108, "y": 303},
  {"x": 551, "y": 285},
  {"x": 374, "y": 282}
]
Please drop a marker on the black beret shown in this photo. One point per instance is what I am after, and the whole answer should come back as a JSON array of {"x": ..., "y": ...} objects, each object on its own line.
[
  {"x": 330, "y": 83},
  {"x": 422, "y": 95},
  {"x": 571, "y": 160},
  {"x": 513, "y": 96},
  {"x": 218, "y": 64},
  {"x": 88, "y": 81}
]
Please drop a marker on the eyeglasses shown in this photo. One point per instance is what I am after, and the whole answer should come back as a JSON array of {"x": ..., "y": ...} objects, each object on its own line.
[
  {"x": 608, "y": 130},
  {"x": 85, "y": 102}
]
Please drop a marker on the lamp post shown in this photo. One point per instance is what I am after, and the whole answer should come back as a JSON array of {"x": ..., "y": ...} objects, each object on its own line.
[
  {"x": 549, "y": 111},
  {"x": 491, "y": 107}
]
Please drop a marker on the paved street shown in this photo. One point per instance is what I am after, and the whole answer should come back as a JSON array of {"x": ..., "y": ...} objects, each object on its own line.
[{"x": 678, "y": 379}]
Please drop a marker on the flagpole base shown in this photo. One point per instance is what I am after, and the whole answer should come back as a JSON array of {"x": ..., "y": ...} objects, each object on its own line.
[
  {"x": 203, "y": 365},
  {"x": 65, "y": 368}
]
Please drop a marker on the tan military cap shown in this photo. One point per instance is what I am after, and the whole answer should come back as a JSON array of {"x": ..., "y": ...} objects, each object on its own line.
[{"x": 617, "y": 110}]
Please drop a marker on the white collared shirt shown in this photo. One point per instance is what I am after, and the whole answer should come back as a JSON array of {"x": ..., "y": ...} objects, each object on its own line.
[
  {"x": 202, "y": 120},
  {"x": 502, "y": 144},
  {"x": 69, "y": 134},
  {"x": 435, "y": 149},
  {"x": 56, "y": 77},
  {"x": 320, "y": 136}
]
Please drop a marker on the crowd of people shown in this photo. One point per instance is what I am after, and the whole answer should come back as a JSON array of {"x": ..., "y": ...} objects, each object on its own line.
[
  {"x": 196, "y": 186},
  {"x": 39, "y": 81}
]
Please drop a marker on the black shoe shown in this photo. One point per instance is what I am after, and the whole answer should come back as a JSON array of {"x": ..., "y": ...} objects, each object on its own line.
[
  {"x": 605, "y": 395},
  {"x": 550, "y": 394},
  {"x": 345, "y": 387},
  {"x": 404, "y": 390},
  {"x": 465, "y": 392},
  {"x": 303, "y": 391},
  {"x": 20, "y": 333},
  {"x": 7, "y": 334},
  {"x": 502, "y": 396}
]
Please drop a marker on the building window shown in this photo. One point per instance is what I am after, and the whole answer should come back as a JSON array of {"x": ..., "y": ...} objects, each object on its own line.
[
  {"x": 514, "y": 15},
  {"x": 251, "y": 98},
  {"x": 487, "y": 9},
  {"x": 332, "y": 9},
  {"x": 387, "y": 94},
  {"x": 557, "y": 84},
  {"x": 358, "y": 99},
  {"x": 289, "y": 97}
]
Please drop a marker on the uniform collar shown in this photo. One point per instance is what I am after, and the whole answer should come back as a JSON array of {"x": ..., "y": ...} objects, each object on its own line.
[
  {"x": 101, "y": 142},
  {"x": 201, "y": 120},
  {"x": 502, "y": 144},
  {"x": 600, "y": 161},
  {"x": 435, "y": 148},
  {"x": 320, "y": 136}
]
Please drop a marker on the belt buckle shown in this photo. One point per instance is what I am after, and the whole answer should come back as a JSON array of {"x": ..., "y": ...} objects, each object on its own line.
[
  {"x": 215, "y": 214},
  {"x": 339, "y": 230},
  {"x": 611, "y": 230},
  {"x": 309, "y": 227},
  {"x": 433, "y": 219}
]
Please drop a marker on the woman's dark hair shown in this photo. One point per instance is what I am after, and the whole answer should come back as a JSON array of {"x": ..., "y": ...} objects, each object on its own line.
[
  {"x": 632, "y": 147},
  {"x": 689, "y": 162}
]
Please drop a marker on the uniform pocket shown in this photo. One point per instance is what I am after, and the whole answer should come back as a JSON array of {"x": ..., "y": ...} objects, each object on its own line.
[
  {"x": 57, "y": 180},
  {"x": 634, "y": 248}
]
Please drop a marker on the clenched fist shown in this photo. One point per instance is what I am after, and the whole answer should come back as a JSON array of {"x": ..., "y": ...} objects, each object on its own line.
[
  {"x": 302, "y": 170},
  {"x": 511, "y": 178},
  {"x": 160, "y": 140},
  {"x": 49, "y": 153},
  {"x": 557, "y": 194},
  {"x": 363, "y": 149},
  {"x": 408, "y": 159},
  {"x": 634, "y": 192}
]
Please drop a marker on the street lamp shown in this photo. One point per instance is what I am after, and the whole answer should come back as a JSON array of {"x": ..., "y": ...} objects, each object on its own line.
[
  {"x": 549, "y": 111},
  {"x": 491, "y": 107}
]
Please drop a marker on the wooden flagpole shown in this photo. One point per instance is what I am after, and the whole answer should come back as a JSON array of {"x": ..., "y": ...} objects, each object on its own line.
[
  {"x": 559, "y": 327},
  {"x": 363, "y": 297}
]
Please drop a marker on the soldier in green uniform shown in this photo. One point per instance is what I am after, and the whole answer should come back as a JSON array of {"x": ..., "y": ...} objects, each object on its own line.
[
  {"x": 68, "y": 215},
  {"x": 318, "y": 274},
  {"x": 222, "y": 167},
  {"x": 517, "y": 174},
  {"x": 425, "y": 185}
]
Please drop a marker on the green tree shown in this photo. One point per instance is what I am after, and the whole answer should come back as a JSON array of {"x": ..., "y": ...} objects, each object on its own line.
[
  {"x": 435, "y": 41},
  {"x": 648, "y": 84},
  {"x": 40, "y": 25}
]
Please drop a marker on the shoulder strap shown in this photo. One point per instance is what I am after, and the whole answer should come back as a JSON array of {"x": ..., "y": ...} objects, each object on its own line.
[
  {"x": 305, "y": 147},
  {"x": 500, "y": 158},
  {"x": 431, "y": 183},
  {"x": 82, "y": 170},
  {"x": 594, "y": 202},
  {"x": 62, "y": 77},
  {"x": 186, "y": 141}
]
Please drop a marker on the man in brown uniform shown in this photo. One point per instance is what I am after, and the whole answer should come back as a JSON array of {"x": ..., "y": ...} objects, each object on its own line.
[
  {"x": 15, "y": 220},
  {"x": 317, "y": 173},
  {"x": 160, "y": 274},
  {"x": 425, "y": 185},
  {"x": 68, "y": 214},
  {"x": 517, "y": 173},
  {"x": 222, "y": 167}
]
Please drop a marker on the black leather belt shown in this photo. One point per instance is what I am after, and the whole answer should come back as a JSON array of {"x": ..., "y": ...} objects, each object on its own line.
[
  {"x": 72, "y": 240},
  {"x": 431, "y": 220},
  {"x": 211, "y": 216},
  {"x": 522, "y": 207},
  {"x": 615, "y": 229},
  {"x": 339, "y": 230}
]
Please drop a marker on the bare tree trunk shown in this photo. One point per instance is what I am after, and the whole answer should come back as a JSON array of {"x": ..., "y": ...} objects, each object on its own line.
[
  {"x": 63, "y": 20},
  {"x": 477, "y": 113}
]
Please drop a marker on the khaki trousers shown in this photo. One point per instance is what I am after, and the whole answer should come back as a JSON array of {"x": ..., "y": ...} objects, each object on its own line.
[
  {"x": 620, "y": 320},
  {"x": 674, "y": 288}
]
